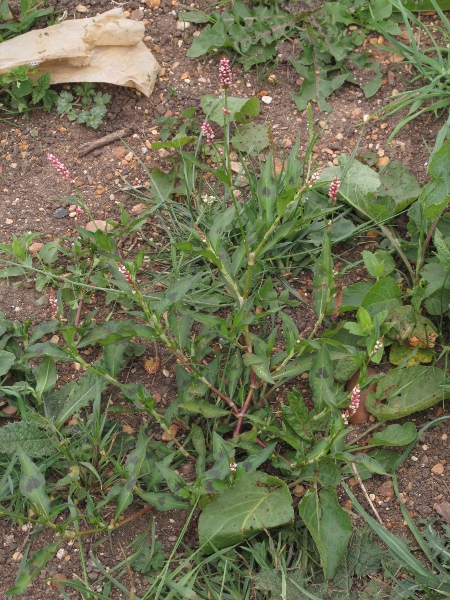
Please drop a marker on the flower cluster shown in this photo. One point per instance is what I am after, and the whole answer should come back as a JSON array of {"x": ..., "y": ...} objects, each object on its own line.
[
  {"x": 125, "y": 272},
  {"x": 60, "y": 167},
  {"x": 53, "y": 303},
  {"x": 377, "y": 346},
  {"x": 334, "y": 188},
  {"x": 314, "y": 177},
  {"x": 208, "y": 132},
  {"x": 79, "y": 211},
  {"x": 225, "y": 73},
  {"x": 354, "y": 403},
  {"x": 226, "y": 111}
]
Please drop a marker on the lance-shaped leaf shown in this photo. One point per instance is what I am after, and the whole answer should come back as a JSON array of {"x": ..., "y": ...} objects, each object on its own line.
[
  {"x": 32, "y": 484},
  {"x": 45, "y": 376},
  {"x": 32, "y": 568},
  {"x": 328, "y": 524}
]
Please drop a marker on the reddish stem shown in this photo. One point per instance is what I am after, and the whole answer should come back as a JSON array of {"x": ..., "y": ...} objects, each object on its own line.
[
  {"x": 246, "y": 405},
  {"x": 263, "y": 445}
]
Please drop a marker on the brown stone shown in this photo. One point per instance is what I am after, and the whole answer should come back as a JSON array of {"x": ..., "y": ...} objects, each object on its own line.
[
  {"x": 386, "y": 488},
  {"x": 173, "y": 430},
  {"x": 438, "y": 469},
  {"x": 35, "y": 247},
  {"x": 119, "y": 152}
]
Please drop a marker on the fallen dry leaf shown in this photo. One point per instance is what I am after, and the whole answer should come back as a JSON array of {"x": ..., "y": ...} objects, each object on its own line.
[{"x": 152, "y": 364}]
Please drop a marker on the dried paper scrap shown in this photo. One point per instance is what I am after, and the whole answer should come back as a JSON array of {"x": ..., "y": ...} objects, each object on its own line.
[{"x": 107, "y": 48}]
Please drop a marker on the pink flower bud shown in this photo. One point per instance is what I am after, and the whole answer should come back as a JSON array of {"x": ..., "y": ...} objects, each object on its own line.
[
  {"x": 225, "y": 73},
  {"x": 208, "y": 132}
]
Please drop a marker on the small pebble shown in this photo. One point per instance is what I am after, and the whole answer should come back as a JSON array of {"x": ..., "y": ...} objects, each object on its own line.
[{"x": 266, "y": 99}]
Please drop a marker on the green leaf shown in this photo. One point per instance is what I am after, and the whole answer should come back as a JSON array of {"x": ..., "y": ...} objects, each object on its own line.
[
  {"x": 316, "y": 85},
  {"x": 73, "y": 396},
  {"x": 329, "y": 526},
  {"x": 7, "y": 359},
  {"x": 323, "y": 278},
  {"x": 251, "y": 138},
  {"x": 383, "y": 295},
  {"x": 257, "y": 501},
  {"x": 297, "y": 415},
  {"x": 321, "y": 378},
  {"x": 46, "y": 376},
  {"x": 398, "y": 183},
  {"x": 239, "y": 107},
  {"x": 201, "y": 407},
  {"x": 33, "y": 567},
  {"x": 395, "y": 435},
  {"x": 162, "y": 501},
  {"x": 32, "y": 484},
  {"x": 405, "y": 391},
  {"x": 435, "y": 195},
  {"x": 260, "y": 365},
  {"x": 27, "y": 436},
  {"x": 64, "y": 103},
  {"x": 178, "y": 141}
]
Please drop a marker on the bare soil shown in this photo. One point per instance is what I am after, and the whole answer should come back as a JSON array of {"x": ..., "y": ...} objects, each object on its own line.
[{"x": 29, "y": 186}]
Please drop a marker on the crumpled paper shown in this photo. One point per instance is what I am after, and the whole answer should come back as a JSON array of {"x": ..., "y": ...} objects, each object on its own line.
[{"x": 107, "y": 48}]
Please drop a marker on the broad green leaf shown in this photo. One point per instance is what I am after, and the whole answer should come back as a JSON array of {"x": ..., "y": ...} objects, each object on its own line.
[
  {"x": 48, "y": 349},
  {"x": 11, "y": 272},
  {"x": 251, "y": 138},
  {"x": 257, "y": 501},
  {"x": 7, "y": 359},
  {"x": 383, "y": 295},
  {"x": 29, "y": 437},
  {"x": 297, "y": 415},
  {"x": 328, "y": 524},
  {"x": 398, "y": 183},
  {"x": 403, "y": 392},
  {"x": 46, "y": 376},
  {"x": 395, "y": 435},
  {"x": 101, "y": 332},
  {"x": 32, "y": 568},
  {"x": 32, "y": 484}
]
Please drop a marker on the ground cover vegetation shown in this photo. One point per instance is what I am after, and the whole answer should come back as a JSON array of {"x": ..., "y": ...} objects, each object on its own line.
[{"x": 218, "y": 305}]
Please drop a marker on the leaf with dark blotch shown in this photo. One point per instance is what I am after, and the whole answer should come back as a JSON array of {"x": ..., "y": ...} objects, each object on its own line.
[
  {"x": 32, "y": 568},
  {"x": 32, "y": 484}
]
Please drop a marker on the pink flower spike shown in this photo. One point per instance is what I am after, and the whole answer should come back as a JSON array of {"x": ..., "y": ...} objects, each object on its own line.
[
  {"x": 226, "y": 111},
  {"x": 315, "y": 177},
  {"x": 334, "y": 188},
  {"x": 208, "y": 132},
  {"x": 60, "y": 167},
  {"x": 354, "y": 403},
  {"x": 53, "y": 303},
  {"x": 225, "y": 73},
  {"x": 79, "y": 211}
]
